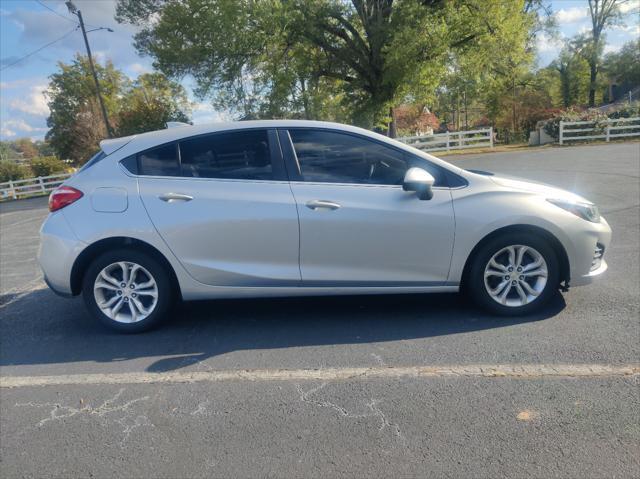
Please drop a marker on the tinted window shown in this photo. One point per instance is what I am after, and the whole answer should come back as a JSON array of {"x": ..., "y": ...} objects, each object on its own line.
[
  {"x": 93, "y": 160},
  {"x": 131, "y": 164},
  {"x": 326, "y": 156},
  {"x": 236, "y": 155},
  {"x": 160, "y": 161}
]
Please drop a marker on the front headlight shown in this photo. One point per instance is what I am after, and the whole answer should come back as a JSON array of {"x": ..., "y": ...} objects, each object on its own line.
[{"x": 586, "y": 211}]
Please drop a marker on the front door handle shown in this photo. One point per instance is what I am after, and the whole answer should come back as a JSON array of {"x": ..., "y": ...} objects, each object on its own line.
[
  {"x": 171, "y": 197},
  {"x": 322, "y": 204}
]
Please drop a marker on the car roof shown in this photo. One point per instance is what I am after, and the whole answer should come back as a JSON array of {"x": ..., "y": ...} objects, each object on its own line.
[
  {"x": 150, "y": 139},
  {"x": 159, "y": 137}
]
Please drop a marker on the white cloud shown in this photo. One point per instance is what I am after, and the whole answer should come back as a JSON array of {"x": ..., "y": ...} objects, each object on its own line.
[
  {"x": 584, "y": 29},
  {"x": 629, "y": 6},
  {"x": 571, "y": 15},
  {"x": 139, "y": 68},
  {"x": 21, "y": 125},
  {"x": 609, "y": 48},
  {"x": 631, "y": 29},
  {"x": 206, "y": 113},
  {"x": 7, "y": 133},
  {"x": 547, "y": 43},
  {"x": 34, "y": 103}
]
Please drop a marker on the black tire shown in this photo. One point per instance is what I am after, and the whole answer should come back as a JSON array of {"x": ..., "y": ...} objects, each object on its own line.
[
  {"x": 475, "y": 284},
  {"x": 162, "y": 279}
]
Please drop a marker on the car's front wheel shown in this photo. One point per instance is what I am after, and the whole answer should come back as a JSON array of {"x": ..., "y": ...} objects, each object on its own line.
[
  {"x": 514, "y": 275},
  {"x": 128, "y": 290}
]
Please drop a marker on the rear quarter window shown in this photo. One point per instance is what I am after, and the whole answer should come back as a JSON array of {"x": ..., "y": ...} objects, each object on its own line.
[{"x": 93, "y": 160}]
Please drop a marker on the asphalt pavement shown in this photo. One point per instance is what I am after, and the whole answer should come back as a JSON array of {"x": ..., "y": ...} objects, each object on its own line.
[{"x": 223, "y": 406}]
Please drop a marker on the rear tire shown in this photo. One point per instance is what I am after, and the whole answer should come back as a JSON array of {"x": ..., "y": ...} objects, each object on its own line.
[
  {"x": 127, "y": 290},
  {"x": 513, "y": 275}
]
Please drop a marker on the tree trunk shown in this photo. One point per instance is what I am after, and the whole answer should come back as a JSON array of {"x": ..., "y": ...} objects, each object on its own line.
[
  {"x": 592, "y": 85},
  {"x": 392, "y": 132}
]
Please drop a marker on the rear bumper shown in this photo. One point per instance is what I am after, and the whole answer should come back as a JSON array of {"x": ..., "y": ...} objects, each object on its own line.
[{"x": 59, "y": 247}]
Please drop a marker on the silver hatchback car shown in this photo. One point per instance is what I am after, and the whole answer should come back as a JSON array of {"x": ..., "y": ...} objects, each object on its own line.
[{"x": 283, "y": 208}]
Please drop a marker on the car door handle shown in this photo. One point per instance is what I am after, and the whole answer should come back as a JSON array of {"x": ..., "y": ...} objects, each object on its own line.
[
  {"x": 170, "y": 197},
  {"x": 317, "y": 204}
]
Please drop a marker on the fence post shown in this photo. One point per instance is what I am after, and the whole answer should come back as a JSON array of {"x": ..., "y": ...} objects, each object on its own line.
[
  {"x": 608, "y": 129},
  {"x": 41, "y": 184},
  {"x": 13, "y": 190},
  {"x": 447, "y": 140},
  {"x": 491, "y": 136},
  {"x": 459, "y": 139},
  {"x": 561, "y": 131}
]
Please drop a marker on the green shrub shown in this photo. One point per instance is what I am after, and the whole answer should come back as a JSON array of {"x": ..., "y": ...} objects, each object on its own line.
[
  {"x": 599, "y": 119},
  {"x": 47, "y": 165},
  {"x": 630, "y": 110},
  {"x": 11, "y": 171}
]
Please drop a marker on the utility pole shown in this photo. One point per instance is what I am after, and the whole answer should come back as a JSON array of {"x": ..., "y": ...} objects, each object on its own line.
[{"x": 74, "y": 10}]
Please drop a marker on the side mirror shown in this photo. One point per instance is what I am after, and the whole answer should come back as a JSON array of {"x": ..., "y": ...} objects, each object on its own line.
[{"x": 420, "y": 181}]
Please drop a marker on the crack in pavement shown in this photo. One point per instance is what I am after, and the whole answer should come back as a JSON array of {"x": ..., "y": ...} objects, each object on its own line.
[
  {"x": 372, "y": 405},
  {"x": 59, "y": 412}
]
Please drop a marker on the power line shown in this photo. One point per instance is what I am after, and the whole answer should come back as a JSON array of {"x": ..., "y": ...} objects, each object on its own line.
[
  {"x": 39, "y": 49},
  {"x": 59, "y": 14}
]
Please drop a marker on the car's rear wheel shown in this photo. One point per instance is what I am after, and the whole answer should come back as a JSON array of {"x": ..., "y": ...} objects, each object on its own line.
[
  {"x": 128, "y": 290},
  {"x": 514, "y": 275}
]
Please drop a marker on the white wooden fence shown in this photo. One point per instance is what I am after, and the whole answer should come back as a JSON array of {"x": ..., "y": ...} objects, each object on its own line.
[
  {"x": 454, "y": 140},
  {"x": 32, "y": 186},
  {"x": 591, "y": 130}
]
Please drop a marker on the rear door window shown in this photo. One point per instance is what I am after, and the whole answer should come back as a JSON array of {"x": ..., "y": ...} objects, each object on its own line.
[
  {"x": 160, "y": 161},
  {"x": 240, "y": 155}
]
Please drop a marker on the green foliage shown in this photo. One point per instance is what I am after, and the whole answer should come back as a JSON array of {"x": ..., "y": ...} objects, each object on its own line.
[
  {"x": 10, "y": 170},
  {"x": 628, "y": 110},
  {"x": 24, "y": 148},
  {"x": 572, "y": 73},
  {"x": 150, "y": 103},
  {"x": 324, "y": 59},
  {"x": 72, "y": 94},
  {"x": 47, "y": 165},
  {"x": 76, "y": 121},
  {"x": 624, "y": 66},
  {"x": 552, "y": 126}
]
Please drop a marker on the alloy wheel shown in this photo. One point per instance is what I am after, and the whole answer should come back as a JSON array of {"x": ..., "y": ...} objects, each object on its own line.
[
  {"x": 516, "y": 275},
  {"x": 125, "y": 292}
]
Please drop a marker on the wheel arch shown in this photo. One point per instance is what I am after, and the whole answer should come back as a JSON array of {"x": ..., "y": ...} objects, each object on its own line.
[
  {"x": 91, "y": 252},
  {"x": 555, "y": 243}
]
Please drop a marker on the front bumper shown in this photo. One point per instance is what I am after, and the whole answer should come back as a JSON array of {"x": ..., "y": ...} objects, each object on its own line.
[{"x": 589, "y": 248}]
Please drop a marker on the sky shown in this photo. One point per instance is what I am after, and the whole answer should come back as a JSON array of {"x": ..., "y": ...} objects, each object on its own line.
[{"x": 26, "y": 25}]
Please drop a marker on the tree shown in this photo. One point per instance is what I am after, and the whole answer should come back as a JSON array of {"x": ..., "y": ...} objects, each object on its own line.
[
  {"x": 604, "y": 14},
  {"x": 11, "y": 171},
  {"x": 47, "y": 165},
  {"x": 624, "y": 65},
  {"x": 71, "y": 93},
  {"x": 26, "y": 147},
  {"x": 573, "y": 74},
  {"x": 76, "y": 121},
  {"x": 279, "y": 57},
  {"x": 150, "y": 103}
]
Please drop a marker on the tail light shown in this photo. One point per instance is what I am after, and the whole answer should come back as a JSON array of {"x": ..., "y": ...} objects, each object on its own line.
[{"x": 63, "y": 196}]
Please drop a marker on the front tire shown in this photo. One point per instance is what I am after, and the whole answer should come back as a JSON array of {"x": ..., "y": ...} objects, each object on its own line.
[
  {"x": 514, "y": 275},
  {"x": 127, "y": 290}
]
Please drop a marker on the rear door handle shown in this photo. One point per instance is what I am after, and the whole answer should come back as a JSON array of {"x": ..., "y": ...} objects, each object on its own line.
[
  {"x": 322, "y": 204},
  {"x": 171, "y": 197}
]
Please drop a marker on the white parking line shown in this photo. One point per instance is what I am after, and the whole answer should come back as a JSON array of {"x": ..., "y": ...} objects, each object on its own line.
[{"x": 525, "y": 371}]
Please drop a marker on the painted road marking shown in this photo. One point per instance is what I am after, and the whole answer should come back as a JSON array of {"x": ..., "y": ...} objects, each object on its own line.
[{"x": 525, "y": 371}]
